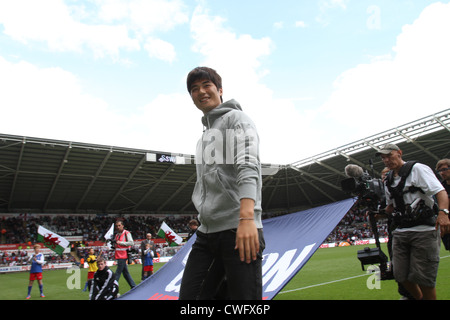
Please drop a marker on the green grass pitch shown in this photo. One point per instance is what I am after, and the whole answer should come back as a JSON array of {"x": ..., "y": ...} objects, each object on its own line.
[
  {"x": 331, "y": 274},
  {"x": 336, "y": 274}
]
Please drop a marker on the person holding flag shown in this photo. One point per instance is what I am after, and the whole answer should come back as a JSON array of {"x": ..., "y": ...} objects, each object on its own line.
[
  {"x": 37, "y": 260},
  {"x": 124, "y": 241},
  {"x": 52, "y": 241}
]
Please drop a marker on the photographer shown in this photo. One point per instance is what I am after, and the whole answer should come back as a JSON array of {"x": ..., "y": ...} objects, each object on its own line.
[
  {"x": 124, "y": 241},
  {"x": 410, "y": 188}
]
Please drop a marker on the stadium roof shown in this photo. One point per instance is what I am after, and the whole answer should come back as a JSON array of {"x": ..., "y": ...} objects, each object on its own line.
[{"x": 52, "y": 176}]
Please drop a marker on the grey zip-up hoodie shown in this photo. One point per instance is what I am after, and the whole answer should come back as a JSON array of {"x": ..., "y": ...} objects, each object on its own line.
[{"x": 228, "y": 168}]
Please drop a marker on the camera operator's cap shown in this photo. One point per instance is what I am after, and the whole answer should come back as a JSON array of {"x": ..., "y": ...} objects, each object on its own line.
[{"x": 387, "y": 149}]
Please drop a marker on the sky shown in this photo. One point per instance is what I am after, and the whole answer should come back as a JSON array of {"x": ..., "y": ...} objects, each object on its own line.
[{"x": 312, "y": 74}]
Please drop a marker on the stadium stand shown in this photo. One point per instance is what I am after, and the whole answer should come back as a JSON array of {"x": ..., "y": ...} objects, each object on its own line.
[
  {"x": 50, "y": 176},
  {"x": 42, "y": 181}
]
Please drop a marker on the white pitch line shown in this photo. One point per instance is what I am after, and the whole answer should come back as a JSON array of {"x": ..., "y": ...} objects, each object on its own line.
[
  {"x": 322, "y": 284},
  {"x": 334, "y": 281}
]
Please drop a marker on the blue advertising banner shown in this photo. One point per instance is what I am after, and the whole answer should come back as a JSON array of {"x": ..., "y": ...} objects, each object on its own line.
[{"x": 291, "y": 240}]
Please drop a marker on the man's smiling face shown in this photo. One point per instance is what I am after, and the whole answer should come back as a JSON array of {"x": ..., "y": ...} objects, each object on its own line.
[{"x": 205, "y": 95}]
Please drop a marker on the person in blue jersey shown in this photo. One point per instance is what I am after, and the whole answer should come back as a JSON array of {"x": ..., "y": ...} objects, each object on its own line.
[
  {"x": 37, "y": 261},
  {"x": 148, "y": 261}
]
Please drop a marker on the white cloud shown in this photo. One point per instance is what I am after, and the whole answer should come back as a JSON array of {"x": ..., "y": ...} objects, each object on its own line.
[
  {"x": 56, "y": 106},
  {"x": 278, "y": 25},
  {"x": 369, "y": 98},
  {"x": 395, "y": 89},
  {"x": 232, "y": 54},
  {"x": 331, "y": 4},
  {"x": 59, "y": 26},
  {"x": 160, "y": 49},
  {"x": 144, "y": 16},
  {"x": 51, "y": 22},
  {"x": 50, "y": 103},
  {"x": 172, "y": 123},
  {"x": 300, "y": 24},
  {"x": 326, "y": 6},
  {"x": 239, "y": 61}
]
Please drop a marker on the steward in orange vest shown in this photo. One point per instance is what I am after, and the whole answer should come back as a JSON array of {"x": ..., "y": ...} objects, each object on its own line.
[{"x": 124, "y": 240}]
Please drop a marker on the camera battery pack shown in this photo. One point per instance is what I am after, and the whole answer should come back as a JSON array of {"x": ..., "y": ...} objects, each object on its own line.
[{"x": 371, "y": 256}]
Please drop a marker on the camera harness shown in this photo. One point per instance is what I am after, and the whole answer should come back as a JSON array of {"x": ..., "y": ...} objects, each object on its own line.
[{"x": 404, "y": 215}]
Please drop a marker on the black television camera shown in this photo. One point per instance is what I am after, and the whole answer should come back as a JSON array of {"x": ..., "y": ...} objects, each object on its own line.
[
  {"x": 131, "y": 252},
  {"x": 370, "y": 191},
  {"x": 371, "y": 195}
]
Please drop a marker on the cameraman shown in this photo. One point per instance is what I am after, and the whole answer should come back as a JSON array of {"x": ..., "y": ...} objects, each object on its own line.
[
  {"x": 124, "y": 241},
  {"x": 416, "y": 241}
]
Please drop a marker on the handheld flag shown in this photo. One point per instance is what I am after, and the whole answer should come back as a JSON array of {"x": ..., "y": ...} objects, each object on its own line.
[
  {"x": 109, "y": 235},
  {"x": 51, "y": 240},
  {"x": 171, "y": 237}
]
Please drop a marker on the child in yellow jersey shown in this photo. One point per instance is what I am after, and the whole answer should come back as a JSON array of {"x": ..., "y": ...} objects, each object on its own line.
[{"x": 92, "y": 263}]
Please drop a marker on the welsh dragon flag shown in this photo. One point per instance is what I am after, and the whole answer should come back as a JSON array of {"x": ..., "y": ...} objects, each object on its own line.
[
  {"x": 171, "y": 237},
  {"x": 51, "y": 240}
]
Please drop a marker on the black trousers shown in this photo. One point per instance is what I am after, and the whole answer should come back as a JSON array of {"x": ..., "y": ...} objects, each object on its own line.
[{"x": 215, "y": 271}]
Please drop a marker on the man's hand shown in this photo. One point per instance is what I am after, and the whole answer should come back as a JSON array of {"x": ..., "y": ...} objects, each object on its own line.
[
  {"x": 442, "y": 220},
  {"x": 247, "y": 238}
]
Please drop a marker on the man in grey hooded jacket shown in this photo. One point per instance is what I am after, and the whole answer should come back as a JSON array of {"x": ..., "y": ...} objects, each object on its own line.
[{"x": 227, "y": 196}]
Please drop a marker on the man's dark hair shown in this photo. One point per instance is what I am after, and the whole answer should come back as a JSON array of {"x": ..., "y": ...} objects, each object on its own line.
[
  {"x": 204, "y": 73},
  {"x": 193, "y": 222}
]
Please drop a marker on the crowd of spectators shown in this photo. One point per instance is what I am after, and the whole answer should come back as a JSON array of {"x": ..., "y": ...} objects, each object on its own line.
[
  {"x": 356, "y": 226},
  {"x": 23, "y": 229},
  {"x": 93, "y": 227},
  {"x": 20, "y": 257}
]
